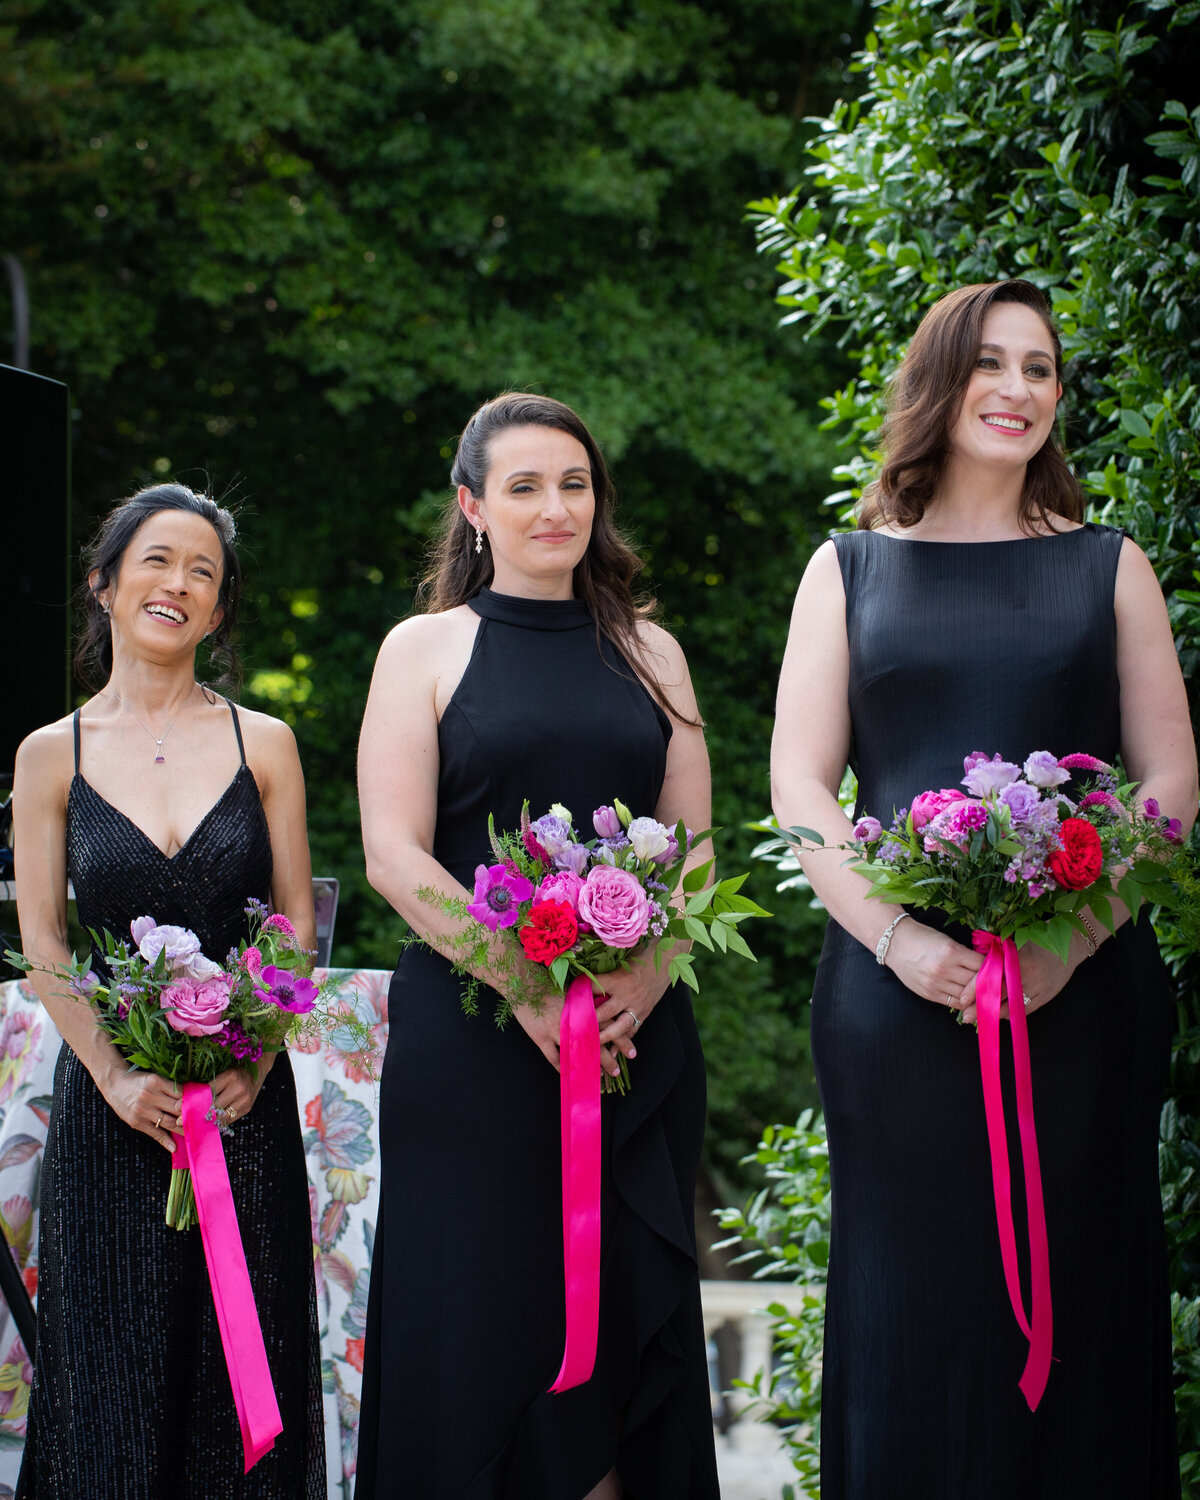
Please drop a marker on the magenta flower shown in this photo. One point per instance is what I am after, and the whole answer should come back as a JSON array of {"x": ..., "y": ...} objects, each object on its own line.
[
  {"x": 1101, "y": 799},
  {"x": 867, "y": 830},
  {"x": 1174, "y": 830},
  {"x": 499, "y": 891},
  {"x": 562, "y": 885},
  {"x": 252, "y": 960},
  {"x": 281, "y": 924},
  {"x": 616, "y": 907},
  {"x": 1080, "y": 762},
  {"x": 286, "y": 990},
  {"x": 1150, "y": 804},
  {"x": 196, "y": 1008},
  {"x": 929, "y": 804}
]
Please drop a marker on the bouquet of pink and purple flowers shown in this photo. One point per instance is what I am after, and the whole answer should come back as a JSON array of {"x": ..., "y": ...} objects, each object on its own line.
[
  {"x": 170, "y": 1009},
  {"x": 580, "y": 908},
  {"x": 1012, "y": 853}
]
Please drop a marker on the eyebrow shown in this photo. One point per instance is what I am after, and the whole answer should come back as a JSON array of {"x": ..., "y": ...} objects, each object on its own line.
[
  {"x": 166, "y": 547},
  {"x": 537, "y": 473},
  {"x": 999, "y": 348}
]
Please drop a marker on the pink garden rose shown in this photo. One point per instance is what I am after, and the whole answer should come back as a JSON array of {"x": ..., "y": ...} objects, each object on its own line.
[
  {"x": 929, "y": 804},
  {"x": 198, "y": 1008},
  {"x": 615, "y": 906},
  {"x": 563, "y": 885}
]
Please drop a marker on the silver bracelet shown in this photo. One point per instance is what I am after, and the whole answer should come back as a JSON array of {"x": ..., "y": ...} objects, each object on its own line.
[{"x": 885, "y": 942}]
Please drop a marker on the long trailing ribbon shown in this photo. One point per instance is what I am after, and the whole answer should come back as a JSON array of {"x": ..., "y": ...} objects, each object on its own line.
[
  {"x": 579, "y": 1068},
  {"x": 1002, "y": 971},
  {"x": 199, "y": 1147}
]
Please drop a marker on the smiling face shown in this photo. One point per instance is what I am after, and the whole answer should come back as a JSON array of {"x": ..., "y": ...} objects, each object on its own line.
[
  {"x": 165, "y": 598},
  {"x": 1008, "y": 406},
  {"x": 537, "y": 509}
]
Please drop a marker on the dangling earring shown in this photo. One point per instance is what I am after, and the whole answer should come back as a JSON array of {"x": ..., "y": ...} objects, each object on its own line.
[{"x": 479, "y": 539}]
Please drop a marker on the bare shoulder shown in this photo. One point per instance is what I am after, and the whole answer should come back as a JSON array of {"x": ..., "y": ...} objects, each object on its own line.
[
  {"x": 663, "y": 655},
  {"x": 428, "y": 639},
  {"x": 264, "y": 734},
  {"x": 47, "y": 756}
]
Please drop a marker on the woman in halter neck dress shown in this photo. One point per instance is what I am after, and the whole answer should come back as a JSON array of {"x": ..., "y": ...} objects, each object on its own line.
[
  {"x": 533, "y": 676},
  {"x": 160, "y": 798},
  {"x": 973, "y": 611}
]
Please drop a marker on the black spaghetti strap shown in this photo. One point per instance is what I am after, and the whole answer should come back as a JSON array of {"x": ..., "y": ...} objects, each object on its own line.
[
  {"x": 237, "y": 729},
  {"x": 75, "y": 720}
]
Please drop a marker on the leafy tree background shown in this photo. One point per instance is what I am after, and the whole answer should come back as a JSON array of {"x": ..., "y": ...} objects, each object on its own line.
[
  {"x": 1059, "y": 142},
  {"x": 290, "y": 247}
]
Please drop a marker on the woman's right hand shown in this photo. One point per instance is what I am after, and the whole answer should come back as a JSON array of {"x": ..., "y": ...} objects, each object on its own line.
[
  {"x": 933, "y": 965},
  {"x": 146, "y": 1102},
  {"x": 542, "y": 1025}
]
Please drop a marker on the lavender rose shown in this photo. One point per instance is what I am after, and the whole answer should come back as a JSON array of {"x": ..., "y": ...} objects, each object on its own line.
[
  {"x": 1020, "y": 799},
  {"x": 196, "y": 1008},
  {"x": 615, "y": 906},
  {"x": 180, "y": 944}
]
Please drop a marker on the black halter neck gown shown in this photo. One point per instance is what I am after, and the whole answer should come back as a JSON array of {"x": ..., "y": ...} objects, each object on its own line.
[
  {"x": 131, "y": 1396},
  {"x": 1009, "y": 647},
  {"x": 465, "y": 1317}
]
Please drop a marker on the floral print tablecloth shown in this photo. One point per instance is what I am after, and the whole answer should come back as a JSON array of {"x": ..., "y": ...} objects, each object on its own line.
[{"x": 337, "y": 1113}]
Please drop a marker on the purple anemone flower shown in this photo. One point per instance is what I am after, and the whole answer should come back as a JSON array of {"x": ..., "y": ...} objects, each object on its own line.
[
  {"x": 499, "y": 891},
  {"x": 286, "y": 990},
  {"x": 1152, "y": 807}
]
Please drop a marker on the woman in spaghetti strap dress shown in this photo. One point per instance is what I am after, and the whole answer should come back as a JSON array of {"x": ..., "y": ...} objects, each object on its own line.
[
  {"x": 533, "y": 676},
  {"x": 973, "y": 610},
  {"x": 160, "y": 798}
]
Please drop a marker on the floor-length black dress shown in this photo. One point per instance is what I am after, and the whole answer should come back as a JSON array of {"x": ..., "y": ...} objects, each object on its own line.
[
  {"x": 1009, "y": 647},
  {"x": 131, "y": 1398},
  {"x": 465, "y": 1317}
]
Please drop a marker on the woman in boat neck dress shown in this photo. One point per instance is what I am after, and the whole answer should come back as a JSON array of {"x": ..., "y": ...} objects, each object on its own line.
[
  {"x": 160, "y": 798},
  {"x": 973, "y": 611},
  {"x": 532, "y": 676}
]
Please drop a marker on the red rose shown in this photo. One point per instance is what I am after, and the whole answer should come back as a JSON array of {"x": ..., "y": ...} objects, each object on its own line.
[
  {"x": 1079, "y": 861},
  {"x": 551, "y": 929}
]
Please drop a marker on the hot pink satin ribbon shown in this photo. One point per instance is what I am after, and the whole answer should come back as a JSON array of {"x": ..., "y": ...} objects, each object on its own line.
[
  {"x": 1002, "y": 971},
  {"x": 199, "y": 1147},
  {"x": 579, "y": 1068}
]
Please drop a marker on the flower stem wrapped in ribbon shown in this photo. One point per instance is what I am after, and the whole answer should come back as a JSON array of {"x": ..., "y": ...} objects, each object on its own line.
[
  {"x": 574, "y": 910},
  {"x": 1015, "y": 860}
]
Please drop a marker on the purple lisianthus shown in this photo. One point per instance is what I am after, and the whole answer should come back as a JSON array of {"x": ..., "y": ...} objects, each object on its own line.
[
  {"x": 615, "y": 906},
  {"x": 285, "y": 989},
  {"x": 606, "y": 823},
  {"x": 1021, "y": 799},
  {"x": 1151, "y": 806},
  {"x": 197, "y": 1008},
  {"x": 499, "y": 891},
  {"x": 648, "y": 837},
  {"x": 986, "y": 777},
  {"x": 180, "y": 944},
  {"x": 85, "y": 985},
  {"x": 573, "y": 857},
  {"x": 671, "y": 853},
  {"x": 552, "y": 833},
  {"x": 1044, "y": 770},
  {"x": 867, "y": 830}
]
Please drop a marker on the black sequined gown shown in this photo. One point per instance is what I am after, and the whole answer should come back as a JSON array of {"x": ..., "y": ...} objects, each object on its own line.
[
  {"x": 1009, "y": 647},
  {"x": 465, "y": 1317},
  {"x": 131, "y": 1398}
]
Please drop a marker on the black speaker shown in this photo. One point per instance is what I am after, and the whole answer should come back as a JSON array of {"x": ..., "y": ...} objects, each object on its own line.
[{"x": 37, "y": 542}]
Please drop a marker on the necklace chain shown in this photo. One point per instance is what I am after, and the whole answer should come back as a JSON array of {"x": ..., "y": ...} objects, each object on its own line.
[{"x": 159, "y": 759}]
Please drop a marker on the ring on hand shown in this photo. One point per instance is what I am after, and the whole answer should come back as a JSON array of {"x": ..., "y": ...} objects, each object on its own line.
[
  {"x": 158, "y": 1122},
  {"x": 636, "y": 1022},
  {"x": 1025, "y": 997},
  {"x": 231, "y": 1114},
  {"x": 950, "y": 1001}
]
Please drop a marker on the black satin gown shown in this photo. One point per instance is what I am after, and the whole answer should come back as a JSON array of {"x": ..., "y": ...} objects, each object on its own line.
[
  {"x": 131, "y": 1397},
  {"x": 465, "y": 1316},
  {"x": 1009, "y": 647}
]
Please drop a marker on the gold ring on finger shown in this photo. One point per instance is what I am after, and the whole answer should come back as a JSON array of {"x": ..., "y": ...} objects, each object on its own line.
[
  {"x": 158, "y": 1122},
  {"x": 231, "y": 1114}
]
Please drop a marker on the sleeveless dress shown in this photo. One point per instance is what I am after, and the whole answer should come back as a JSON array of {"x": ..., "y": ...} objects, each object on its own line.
[
  {"x": 131, "y": 1396},
  {"x": 1009, "y": 647},
  {"x": 465, "y": 1315}
]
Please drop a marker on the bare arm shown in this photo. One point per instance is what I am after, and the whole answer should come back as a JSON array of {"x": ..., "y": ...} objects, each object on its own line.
[
  {"x": 809, "y": 751},
  {"x": 40, "y": 786}
]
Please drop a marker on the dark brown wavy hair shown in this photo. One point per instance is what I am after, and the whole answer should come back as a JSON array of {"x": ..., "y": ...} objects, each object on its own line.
[
  {"x": 924, "y": 400},
  {"x": 603, "y": 576},
  {"x": 93, "y": 654}
]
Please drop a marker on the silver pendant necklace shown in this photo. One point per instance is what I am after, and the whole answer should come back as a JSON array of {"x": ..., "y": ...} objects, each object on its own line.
[{"x": 159, "y": 758}]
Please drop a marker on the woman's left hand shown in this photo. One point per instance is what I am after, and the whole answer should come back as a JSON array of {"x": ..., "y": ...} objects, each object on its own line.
[
  {"x": 235, "y": 1090},
  {"x": 629, "y": 997},
  {"x": 1042, "y": 975}
]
